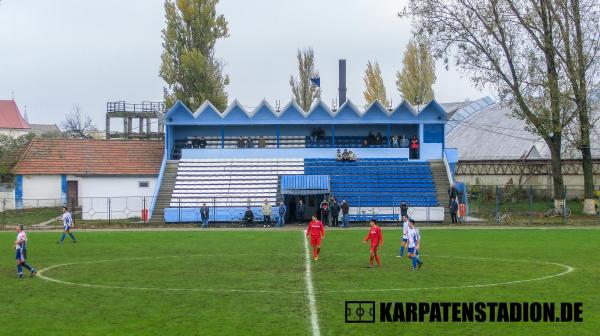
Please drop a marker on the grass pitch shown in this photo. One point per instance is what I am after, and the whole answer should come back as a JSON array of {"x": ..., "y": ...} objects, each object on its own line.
[{"x": 254, "y": 282}]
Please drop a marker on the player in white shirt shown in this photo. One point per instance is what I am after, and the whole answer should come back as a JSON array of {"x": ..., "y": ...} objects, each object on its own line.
[
  {"x": 21, "y": 251},
  {"x": 414, "y": 244},
  {"x": 404, "y": 241},
  {"x": 67, "y": 220}
]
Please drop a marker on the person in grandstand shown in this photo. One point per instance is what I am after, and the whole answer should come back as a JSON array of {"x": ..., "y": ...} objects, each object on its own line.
[
  {"x": 376, "y": 238},
  {"x": 67, "y": 220},
  {"x": 204, "y": 214},
  {"x": 404, "y": 241},
  {"x": 316, "y": 231},
  {"x": 345, "y": 155},
  {"x": 338, "y": 155},
  {"x": 351, "y": 156},
  {"x": 249, "y": 142},
  {"x": 202, "y": 143},
  {"x": 414, "y": 245},
  {"x": 261, "y": 142},
  {"x": 267, "y": 209},
  {"x": 21, "y": 253}
]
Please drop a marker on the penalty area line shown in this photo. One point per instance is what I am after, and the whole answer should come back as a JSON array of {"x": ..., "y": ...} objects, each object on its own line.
[{"x": 312, "y": 304}]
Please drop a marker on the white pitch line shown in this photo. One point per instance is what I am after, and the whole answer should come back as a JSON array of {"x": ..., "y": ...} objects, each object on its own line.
[
  {"x": 567, "y": 269},
  {"x": 312, "y": 302}
]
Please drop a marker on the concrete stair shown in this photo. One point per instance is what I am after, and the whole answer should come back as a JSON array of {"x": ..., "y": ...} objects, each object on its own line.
[
  {"x": 164, "y": 193},
  {"x": 440, "y": 179}
]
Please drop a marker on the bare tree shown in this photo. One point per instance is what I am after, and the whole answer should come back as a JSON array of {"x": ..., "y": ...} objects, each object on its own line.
[
  {"x": 490, "y": 43},
  {"x": 77, "y": 125}
]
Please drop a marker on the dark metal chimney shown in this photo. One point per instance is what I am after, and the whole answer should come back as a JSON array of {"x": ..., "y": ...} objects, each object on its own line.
[{"x": 342, "y": 82}]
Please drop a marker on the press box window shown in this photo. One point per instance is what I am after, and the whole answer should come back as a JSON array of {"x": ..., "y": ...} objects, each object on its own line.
[{"x": 143, "y": 184}]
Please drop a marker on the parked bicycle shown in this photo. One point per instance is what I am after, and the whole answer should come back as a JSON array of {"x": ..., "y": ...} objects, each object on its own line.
[{"x": 561, "y": 211}]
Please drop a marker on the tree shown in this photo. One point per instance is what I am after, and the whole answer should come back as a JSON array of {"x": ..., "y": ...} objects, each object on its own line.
[
  {"x": 189, "y": 66},
  {"x": 418, "y": 73},
  {"x": 489, "y": 42},
  {"x": 578, "y": 30},
  {"x": 77, "y": 125},
  {"x": 11, "y": 149},
  {"x": 374, "y": 87},
  {"x": 303, "y": 90}
]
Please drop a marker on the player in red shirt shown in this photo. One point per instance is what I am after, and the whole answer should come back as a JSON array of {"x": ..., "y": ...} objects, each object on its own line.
[
  {"x": 376, "y": 240},
  {"x": 316, "y": 230}
]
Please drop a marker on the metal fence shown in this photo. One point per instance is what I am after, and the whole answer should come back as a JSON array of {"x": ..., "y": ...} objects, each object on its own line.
[
  {"x": 481, "y": 205},
  {"x": 525, "y": 205},
  {"x": 88, "y": 212}
]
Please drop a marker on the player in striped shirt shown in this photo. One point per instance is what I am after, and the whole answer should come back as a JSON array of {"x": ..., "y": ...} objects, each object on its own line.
[
  {"x": 316, "y": 231},
  {"x": 21, "y": 251},
  {"x": 414, "y": 244},
  {"x": 376, "y": 239},
  {"x": 67, "y": 220}
]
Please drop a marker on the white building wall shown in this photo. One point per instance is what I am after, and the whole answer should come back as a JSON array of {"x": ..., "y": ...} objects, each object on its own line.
[
  {"x": 42, "y": 191},
  {"x": 127, "y": 198}
]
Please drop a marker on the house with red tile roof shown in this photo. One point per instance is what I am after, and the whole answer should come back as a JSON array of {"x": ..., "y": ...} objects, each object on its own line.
[{"x": 98, "y": 176}]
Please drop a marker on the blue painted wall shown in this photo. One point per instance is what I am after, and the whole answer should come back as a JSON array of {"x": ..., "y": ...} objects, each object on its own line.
[
  {"x": 19, "y": 191},
  {"x": 63, "y": 189}
]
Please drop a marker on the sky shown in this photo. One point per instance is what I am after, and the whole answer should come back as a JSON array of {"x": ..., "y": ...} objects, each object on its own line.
[{"x": 61, "y": 53}]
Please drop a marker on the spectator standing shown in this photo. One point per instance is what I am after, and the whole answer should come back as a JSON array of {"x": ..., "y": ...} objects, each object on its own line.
[
  {"x": 414, "y": 148},
  {"x": 320, "y": 134},
  {"x": 249, "y": 142},
  {"x": 338, "y": 155},
  {"x": 261, "y": 142},
  {"x": 453, "y": 210},
  {"x": 378, "y": 138},
  {"x": 370, "y": 138},
  {"x": 403, "y": 142},
  {"x": 324, "y": 212},
  {"x": 394, "y": 141},
  {"x": 204, "y": 212},
  {"x": 282, "y": 211},
  {"x": 300, "y": 209},
  {"x": 241, "y": 143},
  {"x": 345, "y": 213},
  {"x": 314, "y": 134},
  {"x": 248, "y": 217},
  {"x": 404, "y": 209},
  {"x": 452, "y": 193},
  {"x": 335, "y": 213},
  {"x": 351, "y": 156},
  {"x": 267, "y": 209},
  {"x": 202, "y": 143}
]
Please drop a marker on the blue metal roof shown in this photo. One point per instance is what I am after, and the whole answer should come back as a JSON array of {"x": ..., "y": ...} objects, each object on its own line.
[{"x": 304, "y": 184}]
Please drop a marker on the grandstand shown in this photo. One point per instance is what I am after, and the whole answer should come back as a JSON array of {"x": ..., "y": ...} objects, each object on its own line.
[{"x": 230, "y": 170}]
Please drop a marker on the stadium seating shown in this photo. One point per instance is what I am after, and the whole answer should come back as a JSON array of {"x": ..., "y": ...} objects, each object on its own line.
[
  {"x": 377, "y": 182},
  {"x": 230, "y": 182}
]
